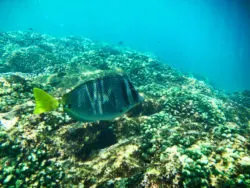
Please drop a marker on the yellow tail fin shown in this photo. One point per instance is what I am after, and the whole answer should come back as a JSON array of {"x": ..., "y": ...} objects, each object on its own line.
[{"x": 44, "y": 101}]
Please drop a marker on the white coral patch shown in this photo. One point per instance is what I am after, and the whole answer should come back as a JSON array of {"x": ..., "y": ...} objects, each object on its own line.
[{"x": 8, "y": 124}]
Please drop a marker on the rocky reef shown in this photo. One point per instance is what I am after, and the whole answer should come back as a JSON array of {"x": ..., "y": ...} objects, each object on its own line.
[{"x": 185, "y": 134}]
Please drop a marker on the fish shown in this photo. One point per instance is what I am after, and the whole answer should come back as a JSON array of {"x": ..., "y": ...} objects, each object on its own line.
[
  {"x": 120, "y": 42},
  {"x": 103, "y": 98}
]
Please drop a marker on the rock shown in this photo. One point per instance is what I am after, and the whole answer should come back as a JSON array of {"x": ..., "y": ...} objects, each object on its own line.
[{"x": 8, "y": 179}]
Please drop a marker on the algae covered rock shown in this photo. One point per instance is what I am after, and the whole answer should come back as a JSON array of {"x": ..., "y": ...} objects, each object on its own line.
[
  {"x": 32, "y": 59},
  {"x": 185, "y": 133}
]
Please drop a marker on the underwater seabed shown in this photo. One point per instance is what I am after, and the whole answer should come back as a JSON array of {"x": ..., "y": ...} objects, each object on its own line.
[{"x": 185, "y": 134}]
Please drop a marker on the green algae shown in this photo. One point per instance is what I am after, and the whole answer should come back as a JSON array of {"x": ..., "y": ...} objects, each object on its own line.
[{"x": 185, "y": 134}]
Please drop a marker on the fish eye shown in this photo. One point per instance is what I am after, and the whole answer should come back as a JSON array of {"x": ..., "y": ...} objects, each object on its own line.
[{"x": 67, "y": 105}]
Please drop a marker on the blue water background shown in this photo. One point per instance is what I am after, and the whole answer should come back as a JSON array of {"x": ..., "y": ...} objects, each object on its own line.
[{"x": 210, "y": 38}]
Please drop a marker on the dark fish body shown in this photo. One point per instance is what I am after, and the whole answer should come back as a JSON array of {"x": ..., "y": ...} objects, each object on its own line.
[{"x": 101, "y": 99}]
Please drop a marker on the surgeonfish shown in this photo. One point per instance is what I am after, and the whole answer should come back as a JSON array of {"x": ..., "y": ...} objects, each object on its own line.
[{"x": 103, "y": 98}]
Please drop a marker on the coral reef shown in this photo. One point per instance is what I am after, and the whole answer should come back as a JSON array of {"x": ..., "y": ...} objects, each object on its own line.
[{"x": 185, "y": 134}]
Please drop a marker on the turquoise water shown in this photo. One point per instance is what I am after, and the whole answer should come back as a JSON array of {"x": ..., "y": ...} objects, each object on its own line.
[
  {"x": 207, "y": 38},
  {"x": 124, "y": 94}
]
